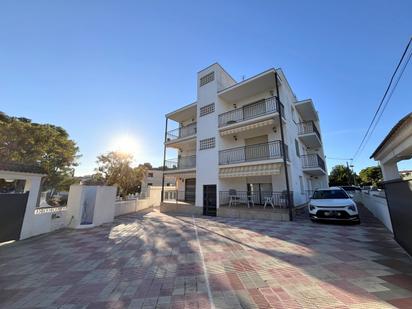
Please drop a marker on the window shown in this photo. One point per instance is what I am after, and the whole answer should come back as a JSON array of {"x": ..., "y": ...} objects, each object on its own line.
[
  {"x": 297, "y": 148},
  {"x": 207, "y": 109},
  {"x": 150, "y": 184},
  {"x": 150, "y": 175},
  {"x": 207, "y": 143},
  {"x": 302, "y": 189},
  {"x": 207, "y": 79}
]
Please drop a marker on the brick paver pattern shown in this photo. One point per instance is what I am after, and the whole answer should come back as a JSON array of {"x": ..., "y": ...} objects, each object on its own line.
[{"x": 153, "y": 261}]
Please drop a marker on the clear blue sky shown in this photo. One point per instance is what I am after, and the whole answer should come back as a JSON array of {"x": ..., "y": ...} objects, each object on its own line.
[{"x": 102, "y": 69}]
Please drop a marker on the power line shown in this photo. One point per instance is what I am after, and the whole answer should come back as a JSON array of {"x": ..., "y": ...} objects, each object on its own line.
[
  {"x": 339, "y": 159},
  {"x": 388, "y": 99},
  {"x": 383, "y": 98}
]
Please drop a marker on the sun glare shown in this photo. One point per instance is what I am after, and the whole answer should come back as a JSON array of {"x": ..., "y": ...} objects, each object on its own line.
[{"x": 125, "y": 144}]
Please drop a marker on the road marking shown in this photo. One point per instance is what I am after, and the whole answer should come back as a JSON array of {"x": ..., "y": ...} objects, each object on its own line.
[{"x": 209, "y": 292}]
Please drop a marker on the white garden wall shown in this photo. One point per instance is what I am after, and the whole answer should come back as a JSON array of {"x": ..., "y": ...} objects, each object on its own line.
[{"x": 377, "y": 205}]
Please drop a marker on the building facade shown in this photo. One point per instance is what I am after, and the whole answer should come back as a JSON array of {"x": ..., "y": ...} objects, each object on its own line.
[
  {"x": 228, "y": 144},
  {"x": 154, "y": 178}
]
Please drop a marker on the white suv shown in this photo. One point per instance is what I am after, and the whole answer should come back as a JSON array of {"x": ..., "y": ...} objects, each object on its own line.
[{"x": 332, "y": 204}]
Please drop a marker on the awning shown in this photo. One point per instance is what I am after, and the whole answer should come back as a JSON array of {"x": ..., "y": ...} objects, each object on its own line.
[
  {"x": 250, "y": 170},
  {"x": 247, "y": 127},
  {"x": 180, "y": 174}
]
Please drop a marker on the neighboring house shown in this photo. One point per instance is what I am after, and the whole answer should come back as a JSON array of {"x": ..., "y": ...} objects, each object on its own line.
[
  {"x": 154, "y": 177},
  {"x": 406, "y": 175},
  {"x": 229, "y": 143}
]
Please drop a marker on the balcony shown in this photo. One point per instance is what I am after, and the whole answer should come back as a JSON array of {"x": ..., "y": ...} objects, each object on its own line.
[
  {"x": 248, "y": 113},
  {"x": 313, "y": 164},
  {"x": 307, "y": 110},
  {"x": 309, "y": 134},
  {"x": 182, "y": 163},
  {"x": 186, "y": 132},
  {"x": 252, "y": 153}
]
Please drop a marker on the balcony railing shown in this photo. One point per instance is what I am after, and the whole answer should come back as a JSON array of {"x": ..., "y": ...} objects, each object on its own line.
[
  {"x": 181, "y": 163},
  {"x": 176, "y": 196},
  {"x": 257, "y": 152},
  {"x": 236, "y": 199},
  {"x": 181, "y": 132},
  {"x": 308, "y": 127},
  {"x": 250, "y": 111},
  {"x": 313, "y": 161}
]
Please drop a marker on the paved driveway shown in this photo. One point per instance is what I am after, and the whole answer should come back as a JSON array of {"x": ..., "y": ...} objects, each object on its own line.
[{"x": 160, "y": 261}]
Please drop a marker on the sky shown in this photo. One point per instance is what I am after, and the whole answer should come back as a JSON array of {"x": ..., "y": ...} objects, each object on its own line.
[{"x": 110, "y": 70}]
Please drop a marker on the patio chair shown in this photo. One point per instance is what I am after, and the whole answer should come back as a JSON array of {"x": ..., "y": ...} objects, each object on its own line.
[
  {"x": 233, "y": 198},
  {"x": 269, "y": 200}
]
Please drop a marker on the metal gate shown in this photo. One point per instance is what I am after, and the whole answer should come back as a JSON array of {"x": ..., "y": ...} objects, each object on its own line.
[
  {"x": 12, "y": 210},
  {"x": 209, "y": 200},
  {"x": 399, "y": 197}
]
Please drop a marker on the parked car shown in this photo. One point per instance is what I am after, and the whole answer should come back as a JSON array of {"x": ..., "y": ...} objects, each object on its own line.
[
  {"x": 332, "y": 204},
  {"x": 351, "y": 190}
]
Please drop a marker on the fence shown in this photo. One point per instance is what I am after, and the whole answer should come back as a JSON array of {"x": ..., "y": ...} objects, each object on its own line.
[
  {"x": 312, "y": 161},
  {"x": 399, "y": 198},
  {"x": 264, "y": 151},
  {"x": 250, "y": 111},
  {"x": 279, "y": 199},
  {"x": 182, "y": 132}
]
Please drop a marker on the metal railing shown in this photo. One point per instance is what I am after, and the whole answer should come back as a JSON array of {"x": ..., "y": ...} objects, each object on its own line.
[
  {"x": 257, "y": 152},
  {"x": 308, "y": 127},
  {"x": 181, "y": 163},
  {"x": 250, "y": 111},
  {"x": 181, "y": 132},
  {"x": 312, "y": 161},
  {"x": 234, "y": 198},
  {"x": 175, "y": 196}
]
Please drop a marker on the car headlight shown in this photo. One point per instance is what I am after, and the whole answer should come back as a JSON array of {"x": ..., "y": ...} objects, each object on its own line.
[
  {"x": 352, "y": 207},
  {"x": 311, "y": 207}
]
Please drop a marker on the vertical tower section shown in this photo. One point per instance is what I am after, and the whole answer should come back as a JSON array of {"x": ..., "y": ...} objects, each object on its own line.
[{"x": 209, "y": 82}]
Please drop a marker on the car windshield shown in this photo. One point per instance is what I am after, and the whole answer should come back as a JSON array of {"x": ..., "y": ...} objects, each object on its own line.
[{"x": 329, "y": 194}]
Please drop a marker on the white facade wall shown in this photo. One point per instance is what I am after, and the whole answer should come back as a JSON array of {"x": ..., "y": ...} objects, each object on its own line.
[{"x": 207, "y": 161}]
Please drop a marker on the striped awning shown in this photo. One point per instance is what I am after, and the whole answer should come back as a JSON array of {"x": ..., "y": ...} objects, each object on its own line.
[
  {"x": 250, "y": 170},
  {"x": 180, "y": 174},
  {"x": 247, "y": 127}
]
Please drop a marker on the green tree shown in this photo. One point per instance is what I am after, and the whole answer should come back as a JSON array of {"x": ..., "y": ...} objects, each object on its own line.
[
  {"x": 115, "y": 169},
  {"x": 340, "y": 175},
  {"x": 371, "y": 175},
  {"x": 46, "y": 145}
]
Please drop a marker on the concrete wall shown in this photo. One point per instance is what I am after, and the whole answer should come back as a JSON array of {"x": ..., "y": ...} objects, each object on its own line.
[
  {"x": 376, "y": 203},
  {"x": 151, "y": 200},
  {"x": 99, "y": 198}
]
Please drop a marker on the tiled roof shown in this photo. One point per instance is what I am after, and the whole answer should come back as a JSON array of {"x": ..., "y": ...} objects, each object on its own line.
[{"x": 22, "y": 168}]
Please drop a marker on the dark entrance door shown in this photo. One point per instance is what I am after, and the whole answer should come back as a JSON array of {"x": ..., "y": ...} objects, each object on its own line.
[
  {"x": 12, "y": 209},
  {"x": 190, "y": 190},
  {"x": 209, "y": 200}
]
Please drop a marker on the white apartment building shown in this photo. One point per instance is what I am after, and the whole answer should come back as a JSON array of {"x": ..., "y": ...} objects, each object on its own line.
[{"x": 228, "y": 144}]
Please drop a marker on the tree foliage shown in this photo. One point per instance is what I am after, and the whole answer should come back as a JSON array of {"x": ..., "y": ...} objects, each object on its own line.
[
  {"x": 46, "y": 145},
  {"x": 115, "y": 169},
  {"x": 371, "y": 176},
  {"x": 340, "y": 175}
]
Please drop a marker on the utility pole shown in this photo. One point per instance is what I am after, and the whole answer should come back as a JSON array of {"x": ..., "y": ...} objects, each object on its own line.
[
  {"x": 278, "y": 106},
  {"x": 348, "y": 173}
]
